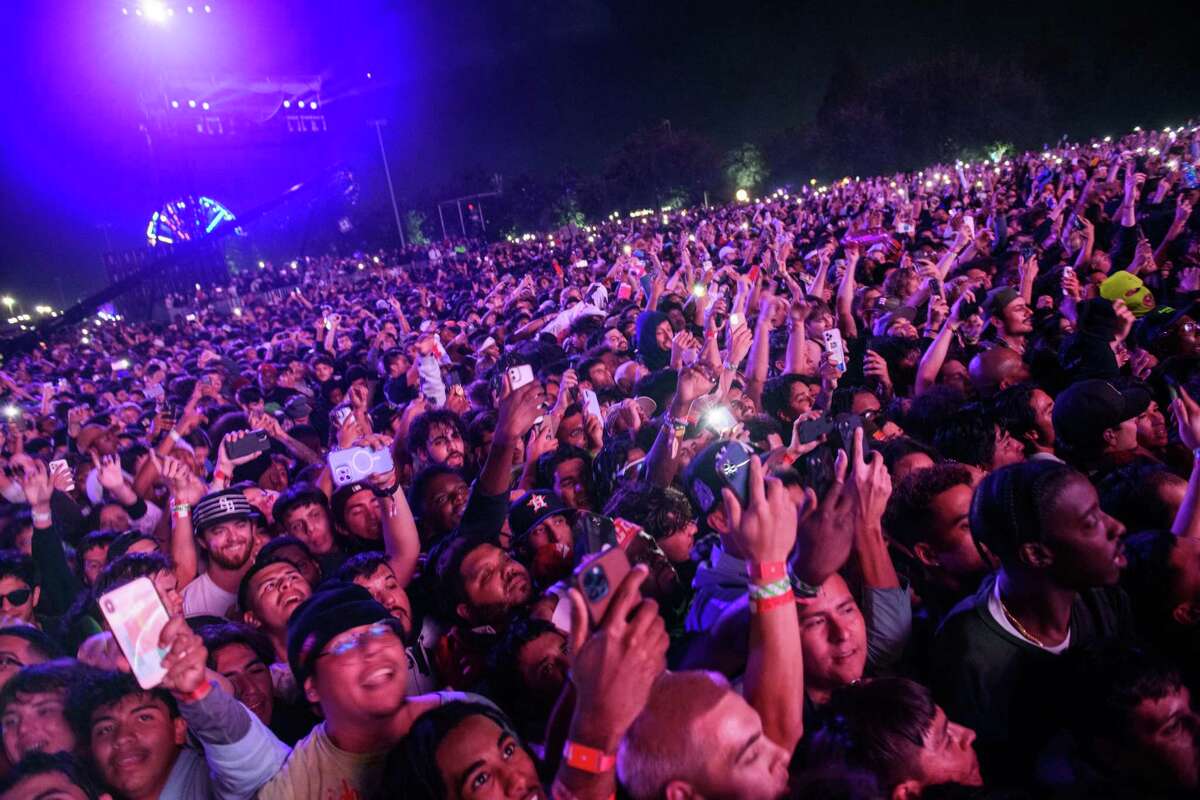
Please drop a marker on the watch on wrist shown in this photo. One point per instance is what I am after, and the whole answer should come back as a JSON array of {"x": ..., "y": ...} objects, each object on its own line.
[{"x": 804, "y": 590}]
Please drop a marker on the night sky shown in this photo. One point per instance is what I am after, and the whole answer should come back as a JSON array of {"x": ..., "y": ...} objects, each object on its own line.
[{"x": 509, "y": 86}]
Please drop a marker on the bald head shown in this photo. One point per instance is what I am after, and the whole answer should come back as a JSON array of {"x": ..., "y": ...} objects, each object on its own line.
[
  {"x": 661, "y": 745},
  {"x": 997, "y": 369}
]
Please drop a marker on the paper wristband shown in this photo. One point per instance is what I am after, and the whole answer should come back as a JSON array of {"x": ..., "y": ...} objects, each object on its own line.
[
  {"x": 587, "y": 759},
  {"x": 774, "y": 589},
  {"x": 761, "y": 606},
  {"x": 766, "y": 571}
]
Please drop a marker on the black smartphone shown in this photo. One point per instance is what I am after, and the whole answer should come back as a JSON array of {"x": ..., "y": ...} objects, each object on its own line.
[
  {"x": 813, "y": 429},
  {"x": 733, "y": 465},
  {"x": 846, "y": 425},
  {"x": 252, "y": 443},
  {"x": 1027, "y": 251}
]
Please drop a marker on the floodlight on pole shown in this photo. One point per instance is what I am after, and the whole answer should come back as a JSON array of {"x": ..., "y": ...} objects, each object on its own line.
[{"x": 378, "y": 123}]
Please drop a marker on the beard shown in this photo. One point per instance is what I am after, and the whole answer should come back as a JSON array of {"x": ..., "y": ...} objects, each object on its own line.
[{"x": 231, "y": 558}]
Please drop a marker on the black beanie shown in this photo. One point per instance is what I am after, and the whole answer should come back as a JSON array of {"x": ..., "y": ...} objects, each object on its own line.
[{"x": 335, "y": 608}]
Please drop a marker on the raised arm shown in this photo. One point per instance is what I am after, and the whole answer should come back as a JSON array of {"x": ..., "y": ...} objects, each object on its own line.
[
  {"x": 612, "y": 674},
  {"x": 935, "y": 356},
  {"x": 1187, "y": 416},
  {"x": 766, "y": 532}
]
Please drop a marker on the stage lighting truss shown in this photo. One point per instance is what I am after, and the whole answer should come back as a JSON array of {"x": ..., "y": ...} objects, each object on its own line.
[
  {"x": 160, "y": 11},
  {"x": 187, "y": 219}
]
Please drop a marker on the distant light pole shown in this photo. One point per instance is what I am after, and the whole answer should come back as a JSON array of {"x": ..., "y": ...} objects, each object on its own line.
[{"x": 378, "y": 123}]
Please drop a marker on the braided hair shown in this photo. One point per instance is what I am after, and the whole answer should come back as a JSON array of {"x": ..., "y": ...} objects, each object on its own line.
[{"x": 1008, "y": 508}]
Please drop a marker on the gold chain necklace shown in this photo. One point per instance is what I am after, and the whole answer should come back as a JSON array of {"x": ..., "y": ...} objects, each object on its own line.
[{"x": 1016, "y": 623}]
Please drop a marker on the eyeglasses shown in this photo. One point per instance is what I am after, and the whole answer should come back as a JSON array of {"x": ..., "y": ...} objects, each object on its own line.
[
  {"x": 359, "y": 640},
  {"x": 17, "y": 597}
]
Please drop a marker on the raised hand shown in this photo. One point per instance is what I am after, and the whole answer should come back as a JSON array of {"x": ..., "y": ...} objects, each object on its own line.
[
  {"x": 825, "y": 532},
  {"x": 615, "y": 667},
  {"x": 184, "y": 485},
  {"x": 517, "y": 411},
  {"x": 765, "y": 529},
  {"x": 871, "y": 482},
  {"x": 37, "y": 484},
  {"x": 1187, "y": 417},
  {"x": 223, "y": 458},
  {"x": 874, "y": 366},
  {"x": 108, "y": 470},
  {"x": 186, "y": 659}
]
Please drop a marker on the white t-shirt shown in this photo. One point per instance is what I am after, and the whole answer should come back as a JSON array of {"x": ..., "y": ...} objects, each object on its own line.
[
  {"x": 202, "y": 597},
  {"x": 997, "y": 612}
]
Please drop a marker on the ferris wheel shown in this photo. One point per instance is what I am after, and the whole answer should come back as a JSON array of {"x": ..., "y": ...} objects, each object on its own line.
[{"x": 186, "y": 219}]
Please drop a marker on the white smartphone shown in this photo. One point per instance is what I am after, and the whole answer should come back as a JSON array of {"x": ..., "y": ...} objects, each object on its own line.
[
  {"x": 136, "y": 616},
  {"x": 591, "y": 403},
  {"x": 519, "y": 375},
  {"x": 969, "y": 224},
  {"x": 60, "y": 465},
  {"x": 835, "y": 348}
]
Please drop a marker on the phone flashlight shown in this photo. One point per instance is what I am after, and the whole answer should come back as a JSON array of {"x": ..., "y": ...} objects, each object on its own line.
[
  {"x": 627, "y": 250},
  {"x": 699, "y": 290},
  {"x": 12, "y": 411},
  {"x": 719, "y": 419}
]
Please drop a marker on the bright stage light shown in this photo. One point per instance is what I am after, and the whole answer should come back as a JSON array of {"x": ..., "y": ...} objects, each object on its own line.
[
  {"x": 125, "y": 11},
  {"x": 300, "y": 104},
  {"x": 154, "y": 10},
  {"x": 287, "y": 103},
  {"x": 191, "y": 103},
  {"x": 368, "y": 76},
  {"x": 204, "y": 105},
  {"x": 208, "y": 9},
  {"x": 174, "y": 104},
  {"x": 312, "y": 104},
  {"x": 191, "y": 10}
]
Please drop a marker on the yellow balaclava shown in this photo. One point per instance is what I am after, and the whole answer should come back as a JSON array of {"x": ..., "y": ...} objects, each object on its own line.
[{"x": 1126, "y": 286}]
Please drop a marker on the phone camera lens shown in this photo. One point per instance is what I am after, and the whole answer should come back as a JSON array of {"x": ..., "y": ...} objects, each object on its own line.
[{"x": 595, "y": 584}]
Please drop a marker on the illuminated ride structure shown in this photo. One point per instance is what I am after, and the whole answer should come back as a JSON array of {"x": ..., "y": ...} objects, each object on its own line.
[{"x": 185, "y": 220}]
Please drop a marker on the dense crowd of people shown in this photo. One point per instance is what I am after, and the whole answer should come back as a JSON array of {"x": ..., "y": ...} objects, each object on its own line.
[{"x": 884, "y": 488}]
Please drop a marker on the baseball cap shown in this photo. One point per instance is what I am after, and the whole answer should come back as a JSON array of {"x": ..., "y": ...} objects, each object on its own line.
[
  {"x": 532, "y": 509},
  {"x": 297, "y": 407},
  {"x": 1084, "y": 409},
  {"x": 88, "y": 436},
  {"x": 221, "y": 506},
  {"x": 701, "y": 480},
  {"x": 334, "y": 609},
  {"x": 997, "y": 300},
  {"x": 343, "y": 495},
  {"x": 1156, "y": 322}
]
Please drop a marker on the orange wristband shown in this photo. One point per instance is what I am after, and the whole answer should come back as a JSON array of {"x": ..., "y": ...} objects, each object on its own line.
[
  {"x": 198, "y": 695},
  {"x": 769, "y": 603},
  {"x": 767, "y": 571},
  {"x": 587, "y": 759}
]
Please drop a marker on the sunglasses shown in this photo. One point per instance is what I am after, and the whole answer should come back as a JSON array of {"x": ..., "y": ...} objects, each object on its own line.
[{"x": 17, "y": 597}]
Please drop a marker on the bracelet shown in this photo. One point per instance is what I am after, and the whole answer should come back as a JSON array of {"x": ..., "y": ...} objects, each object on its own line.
[
  {"x": 587, "y": 759},
  {"x": 199, "y": 694},
  {"x": 41, "y": 516},
  {"x": 181, "y": 510},
  {"x": 766, "y": 571},
  {"x": 174, "y": 436},
  {"x": 766, "y": 591},
  {"x": 767, "y": 604}
]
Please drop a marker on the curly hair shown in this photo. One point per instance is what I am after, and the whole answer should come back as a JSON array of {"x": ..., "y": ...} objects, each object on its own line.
[
  {"x": 661, "y": 512},
  {"x": 908, "y": 516}
]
